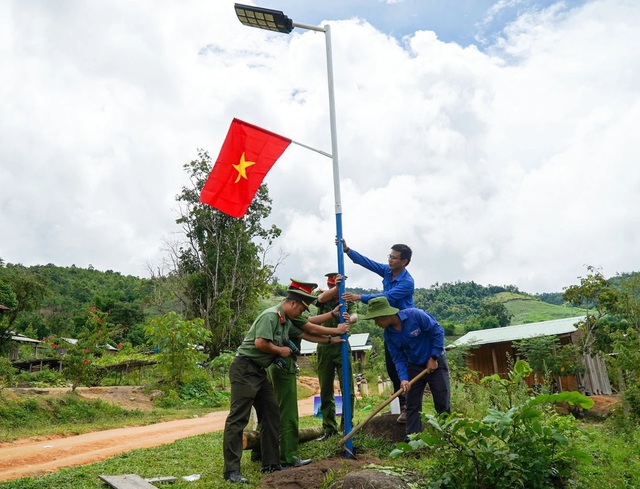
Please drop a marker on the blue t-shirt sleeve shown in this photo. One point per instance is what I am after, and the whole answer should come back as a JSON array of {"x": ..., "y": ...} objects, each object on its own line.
[
  {"x": 365, "y": 262},
  {"x": 365, "y": 298}
]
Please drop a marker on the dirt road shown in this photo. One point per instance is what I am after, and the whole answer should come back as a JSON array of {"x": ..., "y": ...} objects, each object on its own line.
[{"x": 28, "y": 458}]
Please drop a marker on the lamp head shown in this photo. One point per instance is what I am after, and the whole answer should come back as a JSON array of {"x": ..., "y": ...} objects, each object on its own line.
[{"x": 263, "y": 18}]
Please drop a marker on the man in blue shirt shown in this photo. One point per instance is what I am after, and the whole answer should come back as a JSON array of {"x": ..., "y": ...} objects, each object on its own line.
[
  {"x": 397, "y": 287},
  {"x": 415, "y": 341}
]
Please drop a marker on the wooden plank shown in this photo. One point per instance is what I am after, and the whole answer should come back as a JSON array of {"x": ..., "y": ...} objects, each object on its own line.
[
  {"x": 162, "y": 480},
  {"x": 128, "y": 481}
]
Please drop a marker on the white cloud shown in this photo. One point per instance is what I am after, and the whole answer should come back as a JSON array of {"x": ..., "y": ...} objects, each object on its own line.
[{"x": 509, "y": 166}]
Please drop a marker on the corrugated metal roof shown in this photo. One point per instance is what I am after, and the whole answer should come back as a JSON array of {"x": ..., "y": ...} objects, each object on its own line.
[
  {"x": 518, "y": 332},
  {"x": 23, "y": 338},
  {"x": 358, "y": 342}
]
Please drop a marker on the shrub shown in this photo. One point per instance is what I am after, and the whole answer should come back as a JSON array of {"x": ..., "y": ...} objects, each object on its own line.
[
  {"x": 43, "y": 378},
  {"x": 522, "y": 445},
  {"x": 72, "y": 408},
  {"x": 219, "y": 367},
  {"x": 171, "y": 399},
  {"x": 200, "y": 391},
  {"x": 7, "y": 373}
]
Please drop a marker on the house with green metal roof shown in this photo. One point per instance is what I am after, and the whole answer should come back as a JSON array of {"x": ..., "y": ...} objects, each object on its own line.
[{"x": 491, "y": 349}]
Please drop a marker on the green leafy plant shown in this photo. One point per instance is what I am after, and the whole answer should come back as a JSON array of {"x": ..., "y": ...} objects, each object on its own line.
[
  {"x": 7, "y": 373},
  {"x": 219, "y": 367},
  {"x": 526, "y": 445},
  {"x": 176, "y": 340},
  {"x": 514, "y": 386},
  {"x": 80, "y": 369},
  {"x": 548, "y": 357},
  {"x": 200, "y": 391},
  {"x": 42, "y": 378}
]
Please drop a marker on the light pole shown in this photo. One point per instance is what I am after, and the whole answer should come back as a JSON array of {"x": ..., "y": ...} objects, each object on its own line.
[{"x": 275, "y": 20}]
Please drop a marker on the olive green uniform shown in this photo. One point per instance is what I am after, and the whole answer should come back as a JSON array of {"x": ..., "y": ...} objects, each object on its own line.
[
  {"x": 251, "y": 387},
  {"x": 286, "y": 390},
  {"x": 329, "y": 359}
]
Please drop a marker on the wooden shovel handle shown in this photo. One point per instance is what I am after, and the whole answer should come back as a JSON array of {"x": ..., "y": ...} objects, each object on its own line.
[{"x": 381, "y": 407}]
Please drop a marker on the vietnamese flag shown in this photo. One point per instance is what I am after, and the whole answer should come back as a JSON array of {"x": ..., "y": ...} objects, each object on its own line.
[{"x": 247, "y": 155}]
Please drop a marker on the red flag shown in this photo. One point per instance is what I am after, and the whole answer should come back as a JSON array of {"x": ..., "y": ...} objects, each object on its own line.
[{"x": 247, "y": 155}]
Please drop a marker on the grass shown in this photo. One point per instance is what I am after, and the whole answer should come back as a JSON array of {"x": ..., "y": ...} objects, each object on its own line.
[
  {"x": 526, "y": 309},
  {"x": 615, "y": 449},
  {"x": 72, "y": 415},
  {"x": 615, "y": 458},
  {"x": 195, "y": 455},
  {"x": 616, "y": 463}
]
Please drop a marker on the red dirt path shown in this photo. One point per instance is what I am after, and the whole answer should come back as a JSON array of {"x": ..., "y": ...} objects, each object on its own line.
[{"x": 46, "y": 454}]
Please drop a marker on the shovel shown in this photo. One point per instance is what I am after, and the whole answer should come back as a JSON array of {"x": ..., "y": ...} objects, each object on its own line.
[{"x": 377, "y": 410}]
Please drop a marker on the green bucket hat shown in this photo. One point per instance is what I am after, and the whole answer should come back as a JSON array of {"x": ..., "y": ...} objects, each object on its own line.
[
  {"x": 301, "y": 291},
  {"x": 379, "y": 307}
]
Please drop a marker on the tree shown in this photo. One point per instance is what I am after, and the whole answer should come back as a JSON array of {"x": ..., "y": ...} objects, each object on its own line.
[
  {"x": 176, "y": 340},
  {"x": 79, "y": 360},
  {"x": 497, "y": 310},
  {"x": 29, "y": 291},
  {"x": 628, "y": 304},
  {"x": 595, "y": 294},
  {"x": 7, "y": 299},
  {"x": 220, "y": 267},
  {"x": 548, "y": 357}
]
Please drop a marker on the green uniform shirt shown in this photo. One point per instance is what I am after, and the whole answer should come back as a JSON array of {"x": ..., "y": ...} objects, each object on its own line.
[
  {"x": 324, "y": 307},
  {"x": 272, "y": 325},
  {"x": 295, "y": 331}
]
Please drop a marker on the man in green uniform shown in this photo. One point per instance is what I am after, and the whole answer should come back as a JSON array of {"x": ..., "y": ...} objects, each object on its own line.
[
  {"x": 330, "y": 357},
  {"x": 263, "y": 343},
  {"x": 283, "y": 375}
]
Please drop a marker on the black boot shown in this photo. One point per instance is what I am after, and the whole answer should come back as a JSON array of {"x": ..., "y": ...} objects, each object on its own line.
[
  {"x": 327, "y": 435},
  {"x": 236, "y": 477},
  {"x": 298, "y": 463}
]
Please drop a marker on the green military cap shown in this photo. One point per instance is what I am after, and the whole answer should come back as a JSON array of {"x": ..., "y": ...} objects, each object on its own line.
[
  {"x": 301, "y": 291},
  {"x": 379, "y": 307}
]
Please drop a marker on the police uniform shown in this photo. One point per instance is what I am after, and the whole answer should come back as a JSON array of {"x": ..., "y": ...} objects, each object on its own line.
[
  {"x": 251, "y": 387},
  {"x": 283, "y": 378},
  {"x": 284, "y": 381},
  {"x": 329, "y": 359}
]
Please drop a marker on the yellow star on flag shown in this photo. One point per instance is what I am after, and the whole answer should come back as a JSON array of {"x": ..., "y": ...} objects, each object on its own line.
[{"x": 241, "y": 168}]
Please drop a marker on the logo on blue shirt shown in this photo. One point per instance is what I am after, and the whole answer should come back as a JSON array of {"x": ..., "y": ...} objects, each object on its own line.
[{"x": 415, "y": 332}]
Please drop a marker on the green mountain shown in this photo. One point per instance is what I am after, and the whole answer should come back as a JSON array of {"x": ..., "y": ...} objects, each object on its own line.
[{"x": 528, "y": 309}]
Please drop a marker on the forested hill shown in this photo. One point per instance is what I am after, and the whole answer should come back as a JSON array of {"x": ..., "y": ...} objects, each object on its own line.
[{"x": 48, "y": 299}]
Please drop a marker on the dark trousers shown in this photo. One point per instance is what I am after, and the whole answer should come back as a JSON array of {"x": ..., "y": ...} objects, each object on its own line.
[
  {"x": 393, "y": 375},
  {"x": 329, "y": 361},
  {"x": 250, "y": 387},
  {"x": 438, "y": 381}
]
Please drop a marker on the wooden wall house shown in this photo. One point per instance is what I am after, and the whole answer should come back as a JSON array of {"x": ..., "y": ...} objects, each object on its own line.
[
  {"x": 491, "y": 349},
  {"x": 19, "y": 340}
]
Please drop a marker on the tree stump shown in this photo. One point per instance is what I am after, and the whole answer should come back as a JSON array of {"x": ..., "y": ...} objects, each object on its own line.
[{"x": 251, "y": 439}]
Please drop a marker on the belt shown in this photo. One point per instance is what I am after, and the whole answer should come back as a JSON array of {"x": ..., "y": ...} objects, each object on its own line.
[{"x": 249, "y": 360}]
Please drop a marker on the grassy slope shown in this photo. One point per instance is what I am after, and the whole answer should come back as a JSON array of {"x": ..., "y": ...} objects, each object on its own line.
[{"x": 527, "y": 309}]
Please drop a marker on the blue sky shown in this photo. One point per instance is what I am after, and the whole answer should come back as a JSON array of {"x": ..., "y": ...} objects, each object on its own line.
[
  {"x": 464, "y": 22},
  {"x": 498, "y": 140}
]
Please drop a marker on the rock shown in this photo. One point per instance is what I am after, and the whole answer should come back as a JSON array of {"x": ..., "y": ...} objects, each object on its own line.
[
  {"x": 385, "y": 426},
  {"x": 370, "y": 479}
]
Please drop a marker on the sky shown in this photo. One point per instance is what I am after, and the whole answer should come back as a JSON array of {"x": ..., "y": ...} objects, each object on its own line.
[{"x": 494, "y": 138}]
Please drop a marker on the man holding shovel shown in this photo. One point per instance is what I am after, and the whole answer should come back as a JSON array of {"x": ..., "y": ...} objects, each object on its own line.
[{"x": 415, "y": 342}]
